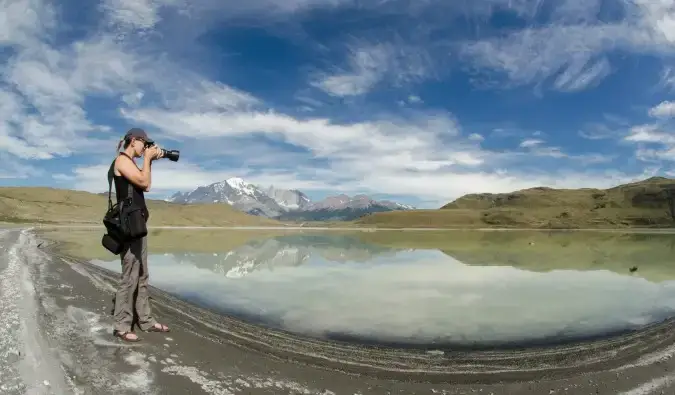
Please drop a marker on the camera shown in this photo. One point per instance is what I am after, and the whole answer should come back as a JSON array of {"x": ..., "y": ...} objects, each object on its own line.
[{"x": 172, "y": 155}]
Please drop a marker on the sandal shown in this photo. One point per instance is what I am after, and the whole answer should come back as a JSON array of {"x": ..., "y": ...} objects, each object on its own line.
[
  {"x": 125, "y": 336},
  {"x": 158, "y": 328}
]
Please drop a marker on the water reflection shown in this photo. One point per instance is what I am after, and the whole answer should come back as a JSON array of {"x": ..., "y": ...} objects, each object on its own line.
[{"x": 327, "y": 286}]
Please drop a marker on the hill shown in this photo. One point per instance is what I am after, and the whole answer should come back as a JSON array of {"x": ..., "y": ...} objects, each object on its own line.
[
  {"x": 648, "y": 203},
  {"x": 62, "y": 206}
]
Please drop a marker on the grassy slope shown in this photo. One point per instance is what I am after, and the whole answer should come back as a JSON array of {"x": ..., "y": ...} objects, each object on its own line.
[
  {"x": 641, "y": 204},
  {"x": 49, "y": 205}
]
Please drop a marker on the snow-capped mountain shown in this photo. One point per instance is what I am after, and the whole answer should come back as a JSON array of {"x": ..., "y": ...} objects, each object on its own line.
[
  {"x": 290, "y": 199},
  {"x": 235, "y": 192},
  {"x": 343, "y": 201},
  {"x": 342, "y": 207},
  {"x": 288, "y": 204}
]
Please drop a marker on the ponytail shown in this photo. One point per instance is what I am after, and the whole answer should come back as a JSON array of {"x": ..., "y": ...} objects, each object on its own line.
[{"x": 119, "y": 144}]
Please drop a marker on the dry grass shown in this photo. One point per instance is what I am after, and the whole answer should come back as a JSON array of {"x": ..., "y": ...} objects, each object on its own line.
[
  {"x": 61, "y": 206},
  {"x": 642, "y": 204}
]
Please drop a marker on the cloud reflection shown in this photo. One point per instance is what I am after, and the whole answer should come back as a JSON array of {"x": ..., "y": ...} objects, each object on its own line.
[{"x": 416, "y": 297}]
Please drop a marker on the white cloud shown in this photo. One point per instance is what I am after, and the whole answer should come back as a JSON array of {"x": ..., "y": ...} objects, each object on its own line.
[
  {"x": 426, "y": 156},
  {"x": 166, "y": 176},
  {"x": 665, "y": 109},
  {"x": 44, "y": 87},
  {"x": 135, "y": 14},
  {"x": 11, "y": 168},
  {"x": 23, "y": 22},
  {"x": 369, "y": 64},
  {"x": 581, "y": 76},
  {"x": 571, "y": 46},
  {"x": 656, "y": 141},
  {"x": 529, "y": 143},
  {"x": 476, "y": 137}
]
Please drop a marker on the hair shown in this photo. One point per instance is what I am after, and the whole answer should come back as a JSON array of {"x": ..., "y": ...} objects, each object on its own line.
[{"x": 124, "y": 140}]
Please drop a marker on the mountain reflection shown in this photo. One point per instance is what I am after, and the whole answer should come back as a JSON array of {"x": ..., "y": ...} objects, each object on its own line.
[{"x": 285, "y": 251}]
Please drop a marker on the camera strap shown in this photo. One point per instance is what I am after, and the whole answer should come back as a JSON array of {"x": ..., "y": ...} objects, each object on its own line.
[{"x": 111, "y": 174}]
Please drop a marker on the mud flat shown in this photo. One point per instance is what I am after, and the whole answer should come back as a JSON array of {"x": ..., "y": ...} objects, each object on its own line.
[{"x": 55, "y": 338}]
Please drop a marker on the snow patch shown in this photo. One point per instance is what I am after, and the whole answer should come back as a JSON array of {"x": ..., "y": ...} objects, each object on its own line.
[{"x": 241, "y": 186}]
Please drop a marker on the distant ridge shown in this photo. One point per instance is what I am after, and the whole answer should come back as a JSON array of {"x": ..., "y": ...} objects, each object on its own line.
[{"x": 646, "y": 203}]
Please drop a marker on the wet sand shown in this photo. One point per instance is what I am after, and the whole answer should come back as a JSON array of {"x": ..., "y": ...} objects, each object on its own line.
[{"x": 56, "y": 338}]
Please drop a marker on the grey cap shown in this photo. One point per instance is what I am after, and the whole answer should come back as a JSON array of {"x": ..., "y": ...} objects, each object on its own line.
[{"x": 138, "y": 133}]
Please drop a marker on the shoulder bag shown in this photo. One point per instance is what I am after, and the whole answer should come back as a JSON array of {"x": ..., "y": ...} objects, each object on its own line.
[{"x": 124, "y": 221}]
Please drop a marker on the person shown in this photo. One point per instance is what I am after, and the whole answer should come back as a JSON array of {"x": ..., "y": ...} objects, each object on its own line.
[{"x": 131, "y": 302}]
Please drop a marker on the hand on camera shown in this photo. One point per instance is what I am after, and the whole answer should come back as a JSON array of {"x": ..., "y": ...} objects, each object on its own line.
[{"x": 153, "y": 152}]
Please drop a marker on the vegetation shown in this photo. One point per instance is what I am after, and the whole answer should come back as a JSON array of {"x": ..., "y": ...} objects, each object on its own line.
[
  {"x": 647, "y": 203},
  {"x": 61, "y": 206}
]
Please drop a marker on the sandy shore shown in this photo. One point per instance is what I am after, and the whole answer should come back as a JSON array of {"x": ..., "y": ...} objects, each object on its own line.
[{"x": 55, "y": 338}]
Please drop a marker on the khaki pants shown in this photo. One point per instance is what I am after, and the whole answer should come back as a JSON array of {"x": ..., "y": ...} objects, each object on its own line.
[{"x": 131, "y": 299}]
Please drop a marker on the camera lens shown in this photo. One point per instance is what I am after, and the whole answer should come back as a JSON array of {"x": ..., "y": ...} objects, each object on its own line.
[{"x": 172, "y": 155}]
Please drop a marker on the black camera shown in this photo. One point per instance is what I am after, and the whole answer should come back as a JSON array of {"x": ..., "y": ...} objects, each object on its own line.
[{"x": 172, "y": 154}]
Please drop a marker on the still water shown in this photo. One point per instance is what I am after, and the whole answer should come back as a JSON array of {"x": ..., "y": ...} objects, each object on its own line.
[{"x": 466, "y": 289}]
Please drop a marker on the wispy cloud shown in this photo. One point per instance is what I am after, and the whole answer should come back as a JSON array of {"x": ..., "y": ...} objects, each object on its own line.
[
  {"x": 655, "y": 141},
  {"x": 571, "y": 45},
  {"x": 369, "y": 64},
  {"x": 529, "y": 143},
  {"x": 580, "y": 76},
  {"x": 61, "y": 97}
]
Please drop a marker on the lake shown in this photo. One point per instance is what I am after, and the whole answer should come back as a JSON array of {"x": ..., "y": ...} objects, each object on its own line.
[{"x": 447, "y": 288}]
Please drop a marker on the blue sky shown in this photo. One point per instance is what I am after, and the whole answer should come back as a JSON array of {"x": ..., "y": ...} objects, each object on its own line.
[{"x": 420, "y": 101}]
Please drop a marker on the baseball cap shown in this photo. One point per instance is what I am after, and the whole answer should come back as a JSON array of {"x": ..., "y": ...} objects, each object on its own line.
[{"x": 140, "y": 134}]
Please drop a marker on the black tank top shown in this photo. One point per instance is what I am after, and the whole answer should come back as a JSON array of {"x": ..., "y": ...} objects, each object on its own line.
[{"x": 122, "y": 191}]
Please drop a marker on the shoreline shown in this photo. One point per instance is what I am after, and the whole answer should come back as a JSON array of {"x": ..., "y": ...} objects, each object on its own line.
[
  {"x": 210, "y": 353},
  {"x": 645, "y": 230}
]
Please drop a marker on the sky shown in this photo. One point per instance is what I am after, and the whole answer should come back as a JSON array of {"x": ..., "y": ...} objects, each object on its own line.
[{"x": 418, "y": 101}]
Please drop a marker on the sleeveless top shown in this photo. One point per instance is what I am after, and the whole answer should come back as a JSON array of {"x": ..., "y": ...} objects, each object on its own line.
[{"x": 122, "y": 191}]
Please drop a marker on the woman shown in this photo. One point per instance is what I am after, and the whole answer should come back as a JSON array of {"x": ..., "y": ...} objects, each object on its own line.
[{"x": 131, "y": 299}]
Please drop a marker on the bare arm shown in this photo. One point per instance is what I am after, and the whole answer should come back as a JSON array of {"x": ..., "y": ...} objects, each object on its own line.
[
  {"x": 138, "y": 177},
  {"x": 147, "y": 163}
]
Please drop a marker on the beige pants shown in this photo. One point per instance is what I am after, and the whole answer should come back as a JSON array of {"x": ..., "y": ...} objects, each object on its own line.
[{"x": 131, "y": 300}]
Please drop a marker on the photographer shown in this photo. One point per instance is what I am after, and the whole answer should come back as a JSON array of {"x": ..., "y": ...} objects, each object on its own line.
[{"x": 131, "y": 299}]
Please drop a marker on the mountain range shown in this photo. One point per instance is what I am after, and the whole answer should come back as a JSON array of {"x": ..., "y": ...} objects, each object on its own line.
[{"x": 284, "y": 204}]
